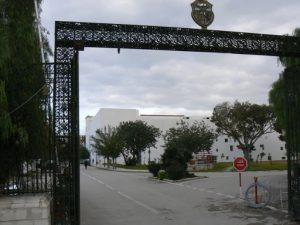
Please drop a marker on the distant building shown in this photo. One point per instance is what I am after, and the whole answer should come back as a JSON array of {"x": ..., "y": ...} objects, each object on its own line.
[{"x": 225, "y": 149}]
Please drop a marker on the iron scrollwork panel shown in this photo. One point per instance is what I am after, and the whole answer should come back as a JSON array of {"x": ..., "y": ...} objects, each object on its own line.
[
  {"x": 173, "y": 38},
  {"x": 63, "y": 194}
]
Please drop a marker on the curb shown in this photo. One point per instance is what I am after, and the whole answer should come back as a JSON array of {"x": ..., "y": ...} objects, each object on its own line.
[
  {"x": 124, "y": 170},
  {"x": 178, "y": 181}
]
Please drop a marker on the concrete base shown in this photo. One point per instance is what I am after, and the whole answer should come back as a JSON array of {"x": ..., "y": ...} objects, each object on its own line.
[{"x": 25, "y": 210}]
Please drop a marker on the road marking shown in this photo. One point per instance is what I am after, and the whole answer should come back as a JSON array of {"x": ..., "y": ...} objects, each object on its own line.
[
  {"x": 146, "y": 206},
  {"x": 229, "y": 196},
  {"x": 124, "y": 195},
  {"x": 271, "y": 207},
  {"x": 93, "y": 178},
  {"x": 209, "y": 191},
  {"x": 109, "y": 187},
  {"x": 138, "y": 203},
  {"x": 220, "y": 194}
]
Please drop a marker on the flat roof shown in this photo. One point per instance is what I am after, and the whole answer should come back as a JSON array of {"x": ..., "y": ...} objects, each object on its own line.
[{"x": 162, "y": 115}]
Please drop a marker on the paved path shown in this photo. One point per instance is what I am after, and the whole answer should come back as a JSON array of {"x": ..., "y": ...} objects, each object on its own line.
[{"x": 114, "y": 198}]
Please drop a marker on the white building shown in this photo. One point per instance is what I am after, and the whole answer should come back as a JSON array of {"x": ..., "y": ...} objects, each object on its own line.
[{"x": 224, "y": 148}]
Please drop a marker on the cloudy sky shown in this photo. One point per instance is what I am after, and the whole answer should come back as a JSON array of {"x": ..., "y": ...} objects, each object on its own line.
[{"x": 165, "y": 82}]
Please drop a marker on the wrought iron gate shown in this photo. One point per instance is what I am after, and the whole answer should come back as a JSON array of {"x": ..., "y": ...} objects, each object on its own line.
[
  {"x": 71, "y": 37},
  {"x": 32, "y": 171},
  {"x": 66, "y": 143}
]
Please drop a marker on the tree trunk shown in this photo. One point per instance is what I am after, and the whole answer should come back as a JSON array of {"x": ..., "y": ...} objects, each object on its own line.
[
  {"x": 114, "y": 163},
  {"x": 125, "y": 158},
  {"x": 107, "y": 162},
  {"x": 247, "y": 155}
]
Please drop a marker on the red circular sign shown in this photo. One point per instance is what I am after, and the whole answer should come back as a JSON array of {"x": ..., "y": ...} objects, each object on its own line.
[{"x": 240, "y": 164}]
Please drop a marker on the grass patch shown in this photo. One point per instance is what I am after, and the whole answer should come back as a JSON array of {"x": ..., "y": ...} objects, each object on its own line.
[
  {"x": 260, "y": 166},
  {"x": 226, "y": 166},
  {"x": 266, "y": 166}
]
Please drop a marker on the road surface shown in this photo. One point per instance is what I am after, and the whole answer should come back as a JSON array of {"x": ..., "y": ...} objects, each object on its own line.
[{"x": 119, "y": 198}]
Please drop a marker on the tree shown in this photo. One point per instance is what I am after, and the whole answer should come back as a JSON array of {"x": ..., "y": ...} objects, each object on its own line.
[
  {"x": 5, "y": 120},
  {"x": 84, "y": 153},
  {"x": 182, "y": 141},
  {"x": 276, "y": 100},
  {"x": 261, "y": 155},
  {"x": 23, "y": 133},
  {"x": 244, "y": 122},
  {"x": 137, "y": 136},
  {"x": 276, "y": 94},
  {"x": 108, "y": 143}
]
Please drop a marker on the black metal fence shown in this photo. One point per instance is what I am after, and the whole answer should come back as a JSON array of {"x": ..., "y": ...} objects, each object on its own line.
[
  {"x": 34, "y": 176},
  {"x": 32, "y": 171}
]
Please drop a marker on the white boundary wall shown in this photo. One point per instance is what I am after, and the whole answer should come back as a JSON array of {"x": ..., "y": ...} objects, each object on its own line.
[{"x": 25, "y": 210}]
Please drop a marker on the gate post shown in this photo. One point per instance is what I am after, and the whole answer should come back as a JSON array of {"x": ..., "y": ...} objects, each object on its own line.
[
  {"x": 75, "y": 135},
  {"x": 291, "y": 78}
]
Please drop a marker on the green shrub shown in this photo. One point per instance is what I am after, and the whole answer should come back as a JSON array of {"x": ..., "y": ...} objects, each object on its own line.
[
  {"x": 176, "y": 171},
  {"x": 131, "y": 162},
  {"x": 154, "y": 168},
  {"x": 162, "y": 174}
]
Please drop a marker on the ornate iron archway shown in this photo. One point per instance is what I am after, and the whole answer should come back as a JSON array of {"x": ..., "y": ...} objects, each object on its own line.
[{"x": 72, "y": 37}]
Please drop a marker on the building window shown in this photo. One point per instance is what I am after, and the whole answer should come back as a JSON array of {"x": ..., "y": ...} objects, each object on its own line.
[
  {"x": 217, "y": 150},
  {"x": 262, "y": 147},
  {"x": 283, "y": 158},
  {"x": 227, "y": 157},
  {"x": 226, "y": 139},
  {"x": 281, "y": 148},
  {"x": 231, "y": 147}
]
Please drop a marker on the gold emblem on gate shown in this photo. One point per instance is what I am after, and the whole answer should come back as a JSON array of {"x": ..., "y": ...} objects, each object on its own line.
[{"x": 202, "y": 13}]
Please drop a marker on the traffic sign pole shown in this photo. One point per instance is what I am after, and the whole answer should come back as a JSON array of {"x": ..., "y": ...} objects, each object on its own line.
[
  {"x": 240, "y": 179},
  {"x": 240, "y": 164},
  {"x": 256, "y": 190}
]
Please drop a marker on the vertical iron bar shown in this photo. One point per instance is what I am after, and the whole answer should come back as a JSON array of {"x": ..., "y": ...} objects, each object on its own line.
[
  {"x": 75, "y": 137},
  {"x": 54, "y": 124},
  {"x": 288, "y": 134},
  {"x": 292, "y": 111},
  {"x": 27, "y": 175}
]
